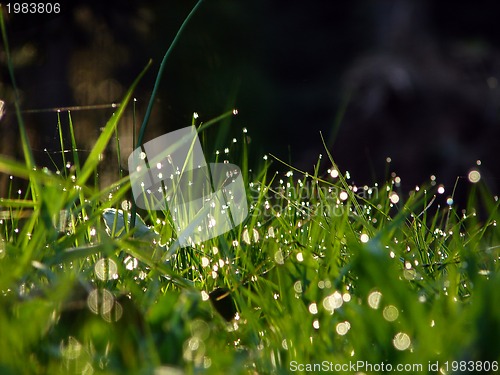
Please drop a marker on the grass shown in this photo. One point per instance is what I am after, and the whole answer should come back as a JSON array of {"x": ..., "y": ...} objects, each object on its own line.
[
  {"x": 318, "y": 272},
  {"x": 322, "y": 273}
]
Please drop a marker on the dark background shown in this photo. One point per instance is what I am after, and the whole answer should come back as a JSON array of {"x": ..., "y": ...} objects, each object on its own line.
[{"x": 413, "y": 80}]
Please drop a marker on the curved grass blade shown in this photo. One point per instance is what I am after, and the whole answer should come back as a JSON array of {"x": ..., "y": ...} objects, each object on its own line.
[{"x": 155, "y": 90}]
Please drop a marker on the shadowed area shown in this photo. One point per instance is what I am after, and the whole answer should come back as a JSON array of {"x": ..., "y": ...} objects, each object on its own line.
[{"x": 415, "y": 81}]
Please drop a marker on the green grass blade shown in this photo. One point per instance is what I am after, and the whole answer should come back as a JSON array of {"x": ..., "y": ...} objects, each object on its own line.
[{"x": 28, "y": 155}]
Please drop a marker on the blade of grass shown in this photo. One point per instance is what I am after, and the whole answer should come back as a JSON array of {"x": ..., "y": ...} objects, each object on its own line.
[
  {"x": 74, "y": 147},
  {"x": 61, "y": 140},
  {"x": 160, "y": 74},
  {"x": 28, "y": 155}
]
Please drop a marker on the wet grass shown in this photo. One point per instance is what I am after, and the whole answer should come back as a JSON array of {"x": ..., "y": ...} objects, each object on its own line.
[{"x": 321, "y": 270}]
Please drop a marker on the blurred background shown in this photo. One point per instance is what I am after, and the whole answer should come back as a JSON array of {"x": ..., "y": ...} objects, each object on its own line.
[{"x": 416, "y": 81}]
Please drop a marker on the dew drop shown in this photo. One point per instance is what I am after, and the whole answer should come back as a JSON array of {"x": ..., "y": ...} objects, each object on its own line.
[
  {"x": 100, "y": 301},
  {"x": 205, "y": 262},
  {"x": 204, "y": 296},
  {"x": 71, "y": 351},
  {"x": 342, "y": 328},
  {"x": 297, "y": 286},
  {"x": 106, "y": 269},
  {"x": 279, "y": 257},
  {"x": 126, "y": 205},
  {"x": 474, "y": 176},
  {"x": 313, "y": 308},
  {"x": 390, "y": 313},
  {"x": 394, "y": 197},
  {"x": 401, "y": 341},
  {"x": 333, "y": 301},
  {"x": 284, "y": 344},
  {"x": 270, "y": 232},
  {"x": 374, "y": 299},
  {"x": 130, "y": 263}
]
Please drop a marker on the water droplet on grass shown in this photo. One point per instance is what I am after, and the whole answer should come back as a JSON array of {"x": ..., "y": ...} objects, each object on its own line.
[
  {"x": 205, "y": 262},
  {"x": 333, "y": 173},
  {"x": 394, "y": 197},
  {"x": 401, "y": 341},
  {"x": 390, "y": 313},
  {"x": 106, "y": 269},
  {"x": 245, "y": 236},
  {"x": 100, "y": 301},
  {"x": 114, "y": 314},
  {"x": 297, "y": 287},
  {"x": 73, "y": 350},
  {"x": 313, "y": 308},
  {"x": 374, "y": 299},
  {"x": 194, "y": 350},
  {"x": 2, "y": 248},
  {"x": 204, "y": 296},
  {"x": 284, "y": 344},
  {"x": 270, "y": 232},
  {"x": 333, "y": 301},
  {"x": 343, "y": 327},
  {"x": 474, "y": 176},
  {"x": 279, "y": 257},
  {"x": 126, "y": 205},
  {"x": 130, "y": 263},
  {"x": 410, "y": 274}
]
